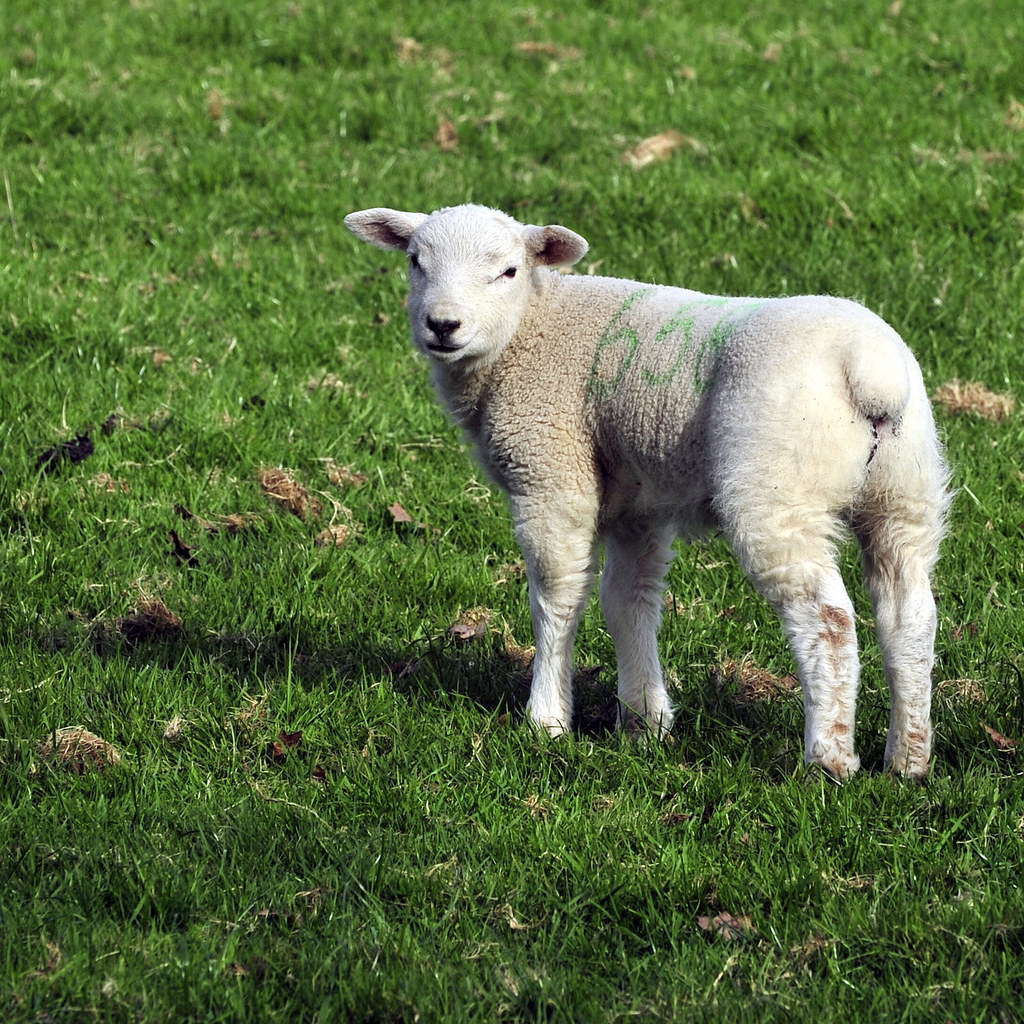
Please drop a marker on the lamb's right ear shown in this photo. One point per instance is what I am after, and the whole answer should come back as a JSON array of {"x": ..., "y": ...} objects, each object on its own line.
[
  {"x": 386, "y": 229},
  {"x": 555, "y": 246}
]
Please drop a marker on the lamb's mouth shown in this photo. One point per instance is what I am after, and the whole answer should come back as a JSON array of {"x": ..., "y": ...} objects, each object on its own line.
[{"x": 445, "y": 348}]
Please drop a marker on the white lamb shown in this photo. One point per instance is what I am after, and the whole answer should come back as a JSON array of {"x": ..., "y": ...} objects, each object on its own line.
[{"x": 635, "y": 414}]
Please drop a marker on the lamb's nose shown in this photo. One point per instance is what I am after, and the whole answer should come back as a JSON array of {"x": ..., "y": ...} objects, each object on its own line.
[{"x": 444, "y": 329}]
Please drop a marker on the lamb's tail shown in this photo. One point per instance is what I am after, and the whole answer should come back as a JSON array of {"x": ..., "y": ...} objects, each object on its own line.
[{"x": 879, "y": 372}]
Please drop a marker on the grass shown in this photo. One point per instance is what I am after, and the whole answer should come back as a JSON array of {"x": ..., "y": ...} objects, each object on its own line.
[{"x": 327, "y": 808}]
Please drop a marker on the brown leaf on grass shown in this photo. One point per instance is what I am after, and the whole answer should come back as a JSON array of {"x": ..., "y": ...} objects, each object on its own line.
[
  {"x": 754, "y": 683},
  {"x": 78, "y": 750},
  {"x": 727, "y": 926},
  {"x": 447, "y": 135},
  {"x": 281, "y": 487},
  {"x": 153, "y": 620},
  {"x": 471, "y": 624},
  {"x": 277, "y": 750},
  {"x": 1001, "y": 742},
  {"x": 182, "y": 551},
  {"x": 973, "y": 397},
  {"x": 660, "y": 147},
  {"x": 399, "y": 514}
]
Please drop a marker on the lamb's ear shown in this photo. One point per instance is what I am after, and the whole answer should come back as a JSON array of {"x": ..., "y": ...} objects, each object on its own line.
[
  {"x": 555, "y": 246},
  {"x": 386, "y": 229}
]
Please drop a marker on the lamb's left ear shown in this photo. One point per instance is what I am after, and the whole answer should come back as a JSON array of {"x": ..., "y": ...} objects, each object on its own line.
[
  {"x": 386, "y": 229},
  {"x": 555, "y": 246}
]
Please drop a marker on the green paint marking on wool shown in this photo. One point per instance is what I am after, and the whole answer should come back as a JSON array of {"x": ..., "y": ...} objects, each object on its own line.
[
  {"x": 598, "y": 389},
  {"x": 679, "y": 327}
]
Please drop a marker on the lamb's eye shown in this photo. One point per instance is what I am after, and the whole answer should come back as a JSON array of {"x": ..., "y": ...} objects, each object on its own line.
[
  {"x": 414, "y": 260},
  {"x": 511, "y": 272}
]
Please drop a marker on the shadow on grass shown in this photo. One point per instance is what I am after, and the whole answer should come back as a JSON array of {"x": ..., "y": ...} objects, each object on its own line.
[{"x": 714, "y": 717}]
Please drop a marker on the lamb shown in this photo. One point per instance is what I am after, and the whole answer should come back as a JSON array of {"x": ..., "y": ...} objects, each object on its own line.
[{"x": 632, "y": 414}]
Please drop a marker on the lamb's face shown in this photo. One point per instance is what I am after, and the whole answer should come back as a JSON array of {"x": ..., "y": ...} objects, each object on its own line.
[
  {"x": 469, "y": 283},
  {"x": 470, "y": 273}
]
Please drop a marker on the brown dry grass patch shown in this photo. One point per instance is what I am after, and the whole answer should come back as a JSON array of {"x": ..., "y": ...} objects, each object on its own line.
[
  {"x": 974, "y": 398},
  {"x": 282, "y": 488},
  {"x": 78, "y": 750}
]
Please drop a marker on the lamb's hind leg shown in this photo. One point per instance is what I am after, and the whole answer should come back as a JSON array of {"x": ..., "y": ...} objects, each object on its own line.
[
  {"x": 898, "y": 556},
  {"x": 632, "y": 586},
  {"x": 791, "y": 560}
]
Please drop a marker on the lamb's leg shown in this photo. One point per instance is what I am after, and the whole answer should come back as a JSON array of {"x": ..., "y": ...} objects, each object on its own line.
[
  {"x": 897, "y": 561},
  {"x": 632, "y": 586},
  {"x": 789, "y": 557},
  {"x": 819, "y": 622},
  {"x": 559, "y": 552}
]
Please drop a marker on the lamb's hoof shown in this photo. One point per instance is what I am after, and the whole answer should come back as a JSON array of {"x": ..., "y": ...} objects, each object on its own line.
[
  {"x": 547, "y": 728},
  {"x": 835, "y": 771},
  {"x": 912, "y": 771},
  {"x": 640, "y": 728}
]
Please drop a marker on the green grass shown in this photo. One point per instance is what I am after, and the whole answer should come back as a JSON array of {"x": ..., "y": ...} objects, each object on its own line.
[{"x": 172, "y": 256}]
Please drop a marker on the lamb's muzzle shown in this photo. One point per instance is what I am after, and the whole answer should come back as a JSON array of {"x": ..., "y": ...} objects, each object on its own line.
[{"x": 632, "y": 414}]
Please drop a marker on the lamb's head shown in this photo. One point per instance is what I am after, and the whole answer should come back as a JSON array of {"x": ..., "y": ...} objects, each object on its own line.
[{"x": 471, "y": 273}]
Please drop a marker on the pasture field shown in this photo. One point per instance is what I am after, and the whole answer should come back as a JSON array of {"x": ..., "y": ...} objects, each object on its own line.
[{"x": 241, "y": 544}]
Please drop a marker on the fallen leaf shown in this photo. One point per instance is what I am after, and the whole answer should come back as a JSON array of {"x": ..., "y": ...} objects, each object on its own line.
[
  {"x": 277, "y": 750},
  {"x": 1001, "y": 742},
  {"x": 447, "y": 136},
  {"x": 974, "y": 397},
  {"x": 79, "y": 750},
  {"x": 727, "y": 926},
  {"x": 399, "y": 514},
  {"x": 182, "y": 551},
  {"x": 660, "y": 147}
]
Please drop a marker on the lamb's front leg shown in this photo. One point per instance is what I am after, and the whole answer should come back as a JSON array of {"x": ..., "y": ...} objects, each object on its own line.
[
  {"x": 558, "y": 543},
  {"x": 632, "y": 587}
]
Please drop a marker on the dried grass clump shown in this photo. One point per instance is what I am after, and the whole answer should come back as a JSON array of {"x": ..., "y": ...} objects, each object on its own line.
[
  {"x": 974, "y": 398},
  {"x": 153, "y": 620},
  {"x": 281, "y": 487},
  {"x": 78, "y": 750},
  {"x": 756, "y": 684}
]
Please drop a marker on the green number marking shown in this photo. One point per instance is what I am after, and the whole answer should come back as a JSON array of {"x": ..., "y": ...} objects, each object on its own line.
[
  {"x": 598, "y": 389},
  {"x": 680, "y": 326}
]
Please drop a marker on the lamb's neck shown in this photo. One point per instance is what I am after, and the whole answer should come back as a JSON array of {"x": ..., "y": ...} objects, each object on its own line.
[{"x": 462, "y": 389}]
